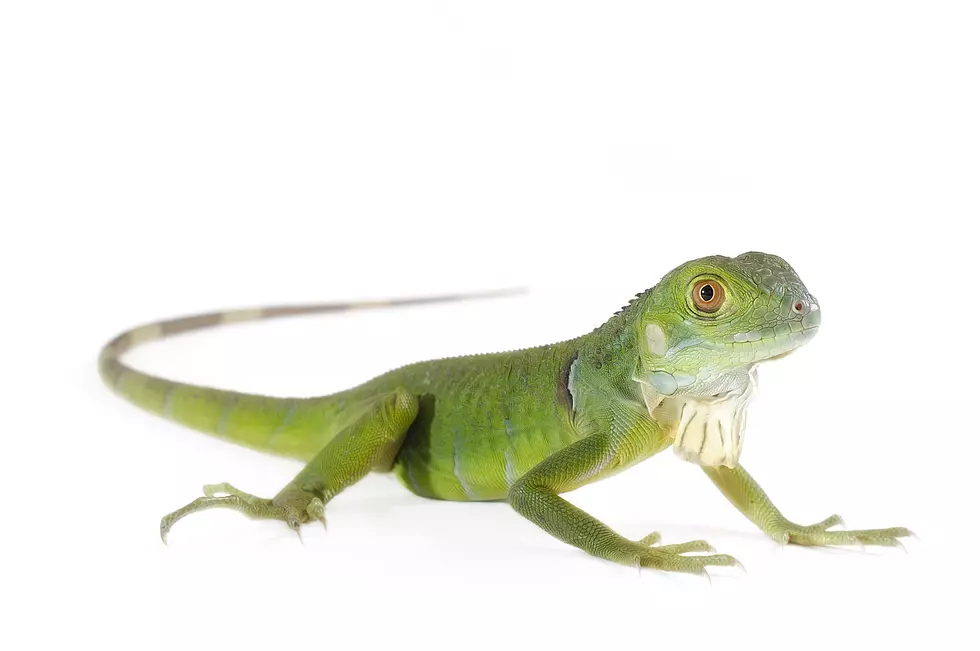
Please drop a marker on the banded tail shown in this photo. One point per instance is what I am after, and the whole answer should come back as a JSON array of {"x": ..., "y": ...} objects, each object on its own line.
[{"x": 279, "y": 425}]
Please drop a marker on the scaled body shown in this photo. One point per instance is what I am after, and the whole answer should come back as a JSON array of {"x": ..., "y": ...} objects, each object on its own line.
[{"x": 675, "y": 367}]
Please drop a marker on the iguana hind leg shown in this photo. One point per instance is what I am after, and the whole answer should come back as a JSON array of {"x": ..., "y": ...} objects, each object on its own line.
[
  {"x": 370, "y": 443},
  {"x": 748, "y": 497}
]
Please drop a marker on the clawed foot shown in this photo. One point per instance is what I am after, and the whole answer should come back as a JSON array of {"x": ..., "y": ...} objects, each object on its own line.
[
  {"x": 670, "y": 558},
  {"x": 817, "y": 535},
  {"x": 293, "y": 505}
]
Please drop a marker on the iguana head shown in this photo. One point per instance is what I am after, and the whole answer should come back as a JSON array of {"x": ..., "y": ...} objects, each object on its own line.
[
  {"x": 702, "y": 331},
  {"x": 709, "y": 321}
]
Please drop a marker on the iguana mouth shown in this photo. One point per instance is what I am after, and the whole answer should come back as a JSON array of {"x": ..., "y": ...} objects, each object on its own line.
[{"x": 774, "y": 342}]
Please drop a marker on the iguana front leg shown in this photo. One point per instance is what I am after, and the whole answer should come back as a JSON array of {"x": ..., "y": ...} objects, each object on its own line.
[
  {"x": 749, "y": 498},
  {"x": 535, "y": 496},
  {"x": 371, "y": 443}
]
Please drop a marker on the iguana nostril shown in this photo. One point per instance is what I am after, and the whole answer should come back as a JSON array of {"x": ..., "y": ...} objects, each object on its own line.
[
  {"x": 798, "y": 307},
  {"x": 812, "y": 318}
]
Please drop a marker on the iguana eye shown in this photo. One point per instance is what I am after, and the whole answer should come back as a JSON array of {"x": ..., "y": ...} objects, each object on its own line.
[{"x": 708, "y": 295}]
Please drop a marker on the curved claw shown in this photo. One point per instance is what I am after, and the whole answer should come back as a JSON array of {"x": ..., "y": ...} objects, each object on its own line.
[
  {"x": 739, "y": 565},
  {"x": 707, "y": 575},
  {"x": 294, "y": 523}
]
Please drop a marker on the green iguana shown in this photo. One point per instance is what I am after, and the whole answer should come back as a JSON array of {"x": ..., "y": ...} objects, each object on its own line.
[{"x": 676, "y": 367}]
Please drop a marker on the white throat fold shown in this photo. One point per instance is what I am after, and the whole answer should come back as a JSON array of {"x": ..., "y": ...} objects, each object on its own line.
[{"x": 710, "y": 430}]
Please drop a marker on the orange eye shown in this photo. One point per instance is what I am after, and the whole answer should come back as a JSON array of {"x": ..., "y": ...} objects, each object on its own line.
[{"x": 708, "y": 295}]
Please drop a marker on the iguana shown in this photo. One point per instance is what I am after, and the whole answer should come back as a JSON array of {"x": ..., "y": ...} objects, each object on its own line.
[{"x": 674, "y": 368}]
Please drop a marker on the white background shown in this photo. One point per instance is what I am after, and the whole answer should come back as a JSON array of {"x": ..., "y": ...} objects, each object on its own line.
[{"x": 159, "y": 159}]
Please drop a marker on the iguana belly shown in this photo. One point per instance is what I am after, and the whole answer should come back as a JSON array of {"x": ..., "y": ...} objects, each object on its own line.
[{"x": 460, "y": 451}]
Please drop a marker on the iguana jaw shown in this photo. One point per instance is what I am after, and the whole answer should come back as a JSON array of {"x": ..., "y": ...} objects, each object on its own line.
[
  {"x": 685, "y": 368},
  {"x": 778, "y": 341},
  {"x": 775, "y": 343}
]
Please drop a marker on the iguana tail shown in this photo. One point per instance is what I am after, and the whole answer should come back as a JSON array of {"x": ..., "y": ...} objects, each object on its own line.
[{"x": 278, "y": 425}]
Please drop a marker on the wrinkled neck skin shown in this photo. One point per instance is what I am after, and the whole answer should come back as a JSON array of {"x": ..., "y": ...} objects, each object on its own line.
[{"x": 707, "y": 430}]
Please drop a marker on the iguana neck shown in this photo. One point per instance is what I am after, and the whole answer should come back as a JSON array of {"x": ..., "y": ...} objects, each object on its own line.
[
  {"x": 706, "y": 430},
  {"x": 608, "y": 355}
]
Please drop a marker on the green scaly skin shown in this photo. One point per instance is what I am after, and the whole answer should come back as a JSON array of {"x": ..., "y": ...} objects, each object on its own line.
[{"x": 526, "y": 426}]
